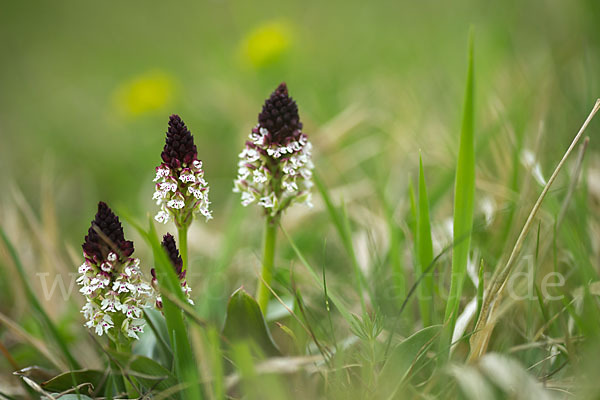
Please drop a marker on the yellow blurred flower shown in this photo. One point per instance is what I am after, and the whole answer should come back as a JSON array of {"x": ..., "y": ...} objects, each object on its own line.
[
  {"x": 148, "y": 92},
  {"x": 266, "y": 43}
]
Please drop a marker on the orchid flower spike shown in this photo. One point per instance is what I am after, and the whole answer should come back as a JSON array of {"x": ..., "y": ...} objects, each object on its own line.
[
  {"x": 275, "y": 168},
  {"x": 181, "y": 191},
  {"x": 111, "y": 280},
  {"x": 170, "y": 247}
]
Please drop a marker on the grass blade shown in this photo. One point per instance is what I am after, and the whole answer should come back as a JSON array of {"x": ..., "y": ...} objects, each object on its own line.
[
  {"x": 36, "y": 343},
  {"x": 342, "y": 224},
  {"x": 395, "y": 250},
  {"x": 334, "y": 298},
  {"x": 402, "y": 359},
  {"x": 216, "y": 362},
  {"x": 464, "y": 196},
  {"x": 424, "y": 251},
  {"x": 412, "y": 220},
  {"x": 480, "y": 286},
  {"x": 186, "y": 369},
  {"x": 213, "y": 304},
  {"x": 185, "y": 366},
  {"x": 35, "y": 304},
  {"x": 481, "y": 337}
]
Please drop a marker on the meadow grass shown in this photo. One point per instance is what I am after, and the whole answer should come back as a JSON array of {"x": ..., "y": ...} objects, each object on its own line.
[{"x": 365, "y": 297}]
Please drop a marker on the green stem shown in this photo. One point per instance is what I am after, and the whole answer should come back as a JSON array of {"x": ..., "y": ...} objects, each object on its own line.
[
  {"x": 270, "y": 238},
  {"x": 117, "y": 377},
  {"x": 125, "y": 348},
  {"x": 182, "y": 232}
]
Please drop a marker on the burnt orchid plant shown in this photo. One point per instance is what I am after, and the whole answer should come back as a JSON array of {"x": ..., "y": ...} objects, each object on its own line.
[
  {"x": 170, "y": 247},
  {"x": 274, "y": 172},
  {"x": 112, "y": 283},
  {"x": 181, "y": 191}
]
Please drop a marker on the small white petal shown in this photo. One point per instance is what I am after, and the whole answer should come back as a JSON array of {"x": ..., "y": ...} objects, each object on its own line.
[{"x": 162, "y": 217}]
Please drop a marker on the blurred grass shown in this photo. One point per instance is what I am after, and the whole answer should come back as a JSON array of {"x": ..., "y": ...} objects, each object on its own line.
[{"x": 67, "y": 61}]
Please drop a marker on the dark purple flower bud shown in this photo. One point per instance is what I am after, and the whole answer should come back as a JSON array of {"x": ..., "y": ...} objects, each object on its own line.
[
  {"x": 97, "y": 245},
  {"x": 280, "y": 117},
  {"x": 169, "y": 245},
  {"x": 179, "y": 147}
]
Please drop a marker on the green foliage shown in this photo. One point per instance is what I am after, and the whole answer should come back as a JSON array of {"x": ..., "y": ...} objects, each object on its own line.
[
  {"x": 35, "y": 304},
  {"x": 245, "y": 322},
  {"x": 337, "y": 301},
  {"x": 213, "y": 304},
  {"x": 185, "y": 365},
  {"x": 370, "y": 96},
  {"x": 146, "y": 372},
  {"x": 65, "y": 381},
  {"x": 342, "y": 225},
  {"x": 402, "y": 360},
  {"x": 424, "y": 252},
  {"x": 464, "y": 197}
]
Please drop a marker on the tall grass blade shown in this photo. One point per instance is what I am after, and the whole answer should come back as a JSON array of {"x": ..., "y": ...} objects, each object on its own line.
[
  {"x": 342, "y": 224},
  {"x": 216, "y": 361},
  {"x": 186, "y": 369},
  {"x": 36, "y": 343},
  {"x": 485, "y": 324},
  {"x": 402, "y": 359},
  {"x": 337, "y": 301},
  {"x": 412, "y": 220},
  {"x": 480, "y": 286},
  {"x": 395, "y": 251},
  {"x": 464, "y": 194},
  {"x": 424, "y": 251},
  {"x": 185, "y": 366},
  {"x": 35, "y": 304}
]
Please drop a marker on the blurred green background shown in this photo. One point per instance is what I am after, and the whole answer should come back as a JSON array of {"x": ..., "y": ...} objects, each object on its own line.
[{"x": 86, "y": 88}]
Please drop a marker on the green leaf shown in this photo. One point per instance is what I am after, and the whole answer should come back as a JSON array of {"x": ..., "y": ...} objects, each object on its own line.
[
  {"x": 245, "y": 321},
  {"x": 68, "y": 380},
  {"x": 186, "y": 369},
  {"x": 402, "y": 359},
  {"x": 160, "y": 349},
  {"x": 424, "y": 251},
  {"x": 464, "y": 197},
  {"x": 145, "y": 370}
]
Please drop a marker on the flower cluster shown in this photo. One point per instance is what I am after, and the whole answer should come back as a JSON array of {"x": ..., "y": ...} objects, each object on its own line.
[
  {"x": 169, "y": 245},
  {"x": 111, "y": 280},
  {"x": 181, "y": 190},
  {"x": 275, "y": 167}
]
